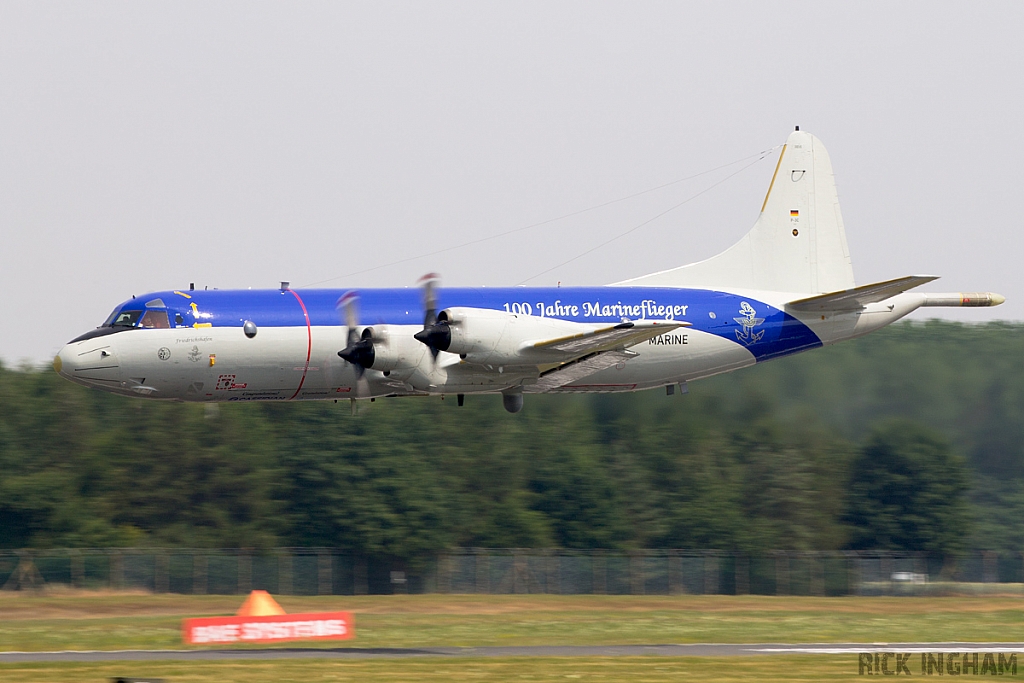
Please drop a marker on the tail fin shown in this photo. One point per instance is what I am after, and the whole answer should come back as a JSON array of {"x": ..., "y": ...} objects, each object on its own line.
[{"x": 798, "y": 243}]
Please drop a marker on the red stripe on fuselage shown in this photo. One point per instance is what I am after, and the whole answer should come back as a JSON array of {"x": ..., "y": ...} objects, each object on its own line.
[{"x": 309, "y": 341}]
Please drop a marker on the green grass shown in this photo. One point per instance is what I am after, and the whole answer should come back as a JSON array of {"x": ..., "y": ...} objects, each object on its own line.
[
  {"x": 116, "y": 622},
  {"x": 646, "y": 669}
]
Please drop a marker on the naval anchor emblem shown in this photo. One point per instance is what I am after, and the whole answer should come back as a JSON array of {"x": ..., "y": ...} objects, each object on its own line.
[{"x": 748, "y": 322}]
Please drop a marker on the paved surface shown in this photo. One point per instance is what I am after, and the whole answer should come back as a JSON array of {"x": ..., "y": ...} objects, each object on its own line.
[{"x": 694, "y": 650}]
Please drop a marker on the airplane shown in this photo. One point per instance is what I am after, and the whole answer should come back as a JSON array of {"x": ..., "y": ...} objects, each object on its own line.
[{"x": 787, "y": 286}]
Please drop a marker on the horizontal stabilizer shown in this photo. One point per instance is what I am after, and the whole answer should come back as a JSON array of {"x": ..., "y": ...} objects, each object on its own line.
[{"x": 858, "y": 297}]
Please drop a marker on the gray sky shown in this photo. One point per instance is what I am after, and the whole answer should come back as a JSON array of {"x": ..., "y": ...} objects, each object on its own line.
[{"x": 144, "y": 146}]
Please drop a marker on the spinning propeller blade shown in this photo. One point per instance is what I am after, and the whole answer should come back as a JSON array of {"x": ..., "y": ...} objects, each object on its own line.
[
  {"x": 359, "y": 351},
  {"x": 348, "y": 306},
  {"x": 429, "y": 284},
  {"x": 436, "y": 335}
]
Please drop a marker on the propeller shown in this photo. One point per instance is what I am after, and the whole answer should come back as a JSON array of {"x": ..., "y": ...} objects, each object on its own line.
[
  {"x": 359, "y": 351},
  {"x": 429, "y": 284},
  {"x": 436, "y": 334}
]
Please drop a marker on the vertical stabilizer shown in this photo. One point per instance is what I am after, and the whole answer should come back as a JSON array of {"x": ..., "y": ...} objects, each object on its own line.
[{"x": 798, "y": 243}]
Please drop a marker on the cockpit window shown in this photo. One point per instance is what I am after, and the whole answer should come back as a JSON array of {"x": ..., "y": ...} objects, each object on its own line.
[
  {"x": 125, "y": 319},
  {"x": 155, "y": 320}
]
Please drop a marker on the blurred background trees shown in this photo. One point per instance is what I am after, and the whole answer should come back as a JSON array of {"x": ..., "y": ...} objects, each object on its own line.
[
  {"x": 907, "y": 491},
  {"x": 907, "y": 439}
]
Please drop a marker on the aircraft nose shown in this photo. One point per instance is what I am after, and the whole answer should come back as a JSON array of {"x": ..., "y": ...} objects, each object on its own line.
[
  {"x": 65, "y": 362},
  {"x": 91, "y": 362}
]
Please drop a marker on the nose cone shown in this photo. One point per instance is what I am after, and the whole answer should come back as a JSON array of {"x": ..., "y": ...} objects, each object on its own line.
[{"x": 92, "y": 362}]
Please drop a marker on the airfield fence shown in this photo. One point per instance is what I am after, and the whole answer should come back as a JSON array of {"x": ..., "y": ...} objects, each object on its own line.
[{"x": 326, "y": 571}]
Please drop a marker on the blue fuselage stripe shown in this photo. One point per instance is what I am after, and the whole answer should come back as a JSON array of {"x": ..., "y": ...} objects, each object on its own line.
[{"x": 766, "y": 331}]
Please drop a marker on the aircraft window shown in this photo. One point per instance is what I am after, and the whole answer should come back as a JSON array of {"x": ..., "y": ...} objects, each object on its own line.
[
  {"x": 156, "y": 303},
  {"x": 110, "y": 318},
  {"x": 125, "y": 319},
  {"x": 179, "y": 319},
  {"x": 155, "y": 320}
]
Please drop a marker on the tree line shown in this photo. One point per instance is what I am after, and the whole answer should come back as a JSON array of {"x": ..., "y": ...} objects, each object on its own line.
[{"x": 906, "y": 439}]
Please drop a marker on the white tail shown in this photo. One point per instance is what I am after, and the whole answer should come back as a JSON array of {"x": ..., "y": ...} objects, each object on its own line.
[{"x": 798, "y": 243}]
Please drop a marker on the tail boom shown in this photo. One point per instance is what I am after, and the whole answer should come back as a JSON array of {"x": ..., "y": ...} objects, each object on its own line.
[{"x": 964, "y": 300}]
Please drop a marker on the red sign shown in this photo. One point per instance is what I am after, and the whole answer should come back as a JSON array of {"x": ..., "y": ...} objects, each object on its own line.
[{"x": 280, "y": 627}]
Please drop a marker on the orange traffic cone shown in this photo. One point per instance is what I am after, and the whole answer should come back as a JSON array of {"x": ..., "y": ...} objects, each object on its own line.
[{"x": 259, "y": 604}]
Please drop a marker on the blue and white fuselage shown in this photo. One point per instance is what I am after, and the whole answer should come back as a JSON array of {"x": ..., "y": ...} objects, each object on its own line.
[
  {"x": 198, "y": 349},
  {"x": 786, "y": 287}
]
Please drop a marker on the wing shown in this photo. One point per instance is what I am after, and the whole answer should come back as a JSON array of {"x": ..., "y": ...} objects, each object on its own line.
[
  {"x": 858, "y": 297},
  {"x": 620, "y": 336},
  {"x": 568, "y": 373},
  {"x": 594, "y": 350},
  {"x": 481, "y": 345}
]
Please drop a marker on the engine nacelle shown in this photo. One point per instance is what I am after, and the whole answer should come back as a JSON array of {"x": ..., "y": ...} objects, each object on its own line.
[
  {"x": 394, "y": 348},
  {"x": 487, "y": 336}
]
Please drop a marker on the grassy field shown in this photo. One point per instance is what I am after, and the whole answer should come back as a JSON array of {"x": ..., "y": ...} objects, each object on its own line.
[
  {"x": 104, "y": 621},
  {"x": 646, "y": 669},
  {"x": 93, "y": 621}
]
